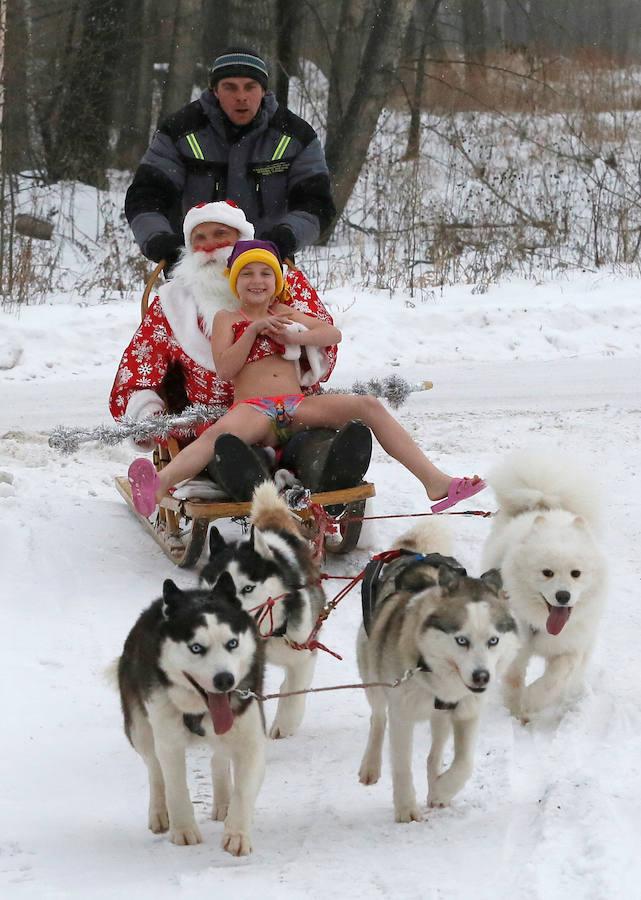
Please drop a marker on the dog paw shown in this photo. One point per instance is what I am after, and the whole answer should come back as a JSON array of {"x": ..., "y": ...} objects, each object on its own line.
[
  {"x": 185, "y": 836},
  {"x": 278, "y": 731},
  {"x": 408, "y": 814},
  {"x": 369, "y": 774},
  {"x": 219, "y": 812},
  {"x": 158, "y": 821},
  {"x": 236, "y": 843}
]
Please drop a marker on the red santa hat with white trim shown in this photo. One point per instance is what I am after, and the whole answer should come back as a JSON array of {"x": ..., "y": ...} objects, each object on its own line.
[{"x": 225, "y": 212}]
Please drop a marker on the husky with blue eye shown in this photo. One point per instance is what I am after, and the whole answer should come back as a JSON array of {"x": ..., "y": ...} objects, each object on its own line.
[
  {"x": 423, "y": 615},
  {"x": 180, "y": 673},
  {"x": 274, "y": 565}
]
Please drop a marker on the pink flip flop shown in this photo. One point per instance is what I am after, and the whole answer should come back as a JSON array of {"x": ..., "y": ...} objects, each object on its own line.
[
  {"x": 143, "y": 479},
  {"x": 459, "y": 489}
]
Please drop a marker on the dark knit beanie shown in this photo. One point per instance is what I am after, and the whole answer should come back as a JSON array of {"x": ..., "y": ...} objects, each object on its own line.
[{"x": 239, "y": 62}]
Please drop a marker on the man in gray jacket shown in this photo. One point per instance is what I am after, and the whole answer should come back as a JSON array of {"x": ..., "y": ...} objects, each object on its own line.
[{"x": 233, "y": 143}]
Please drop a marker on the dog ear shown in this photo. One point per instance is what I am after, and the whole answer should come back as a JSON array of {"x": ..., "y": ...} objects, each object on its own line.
[
  {"x": 258, "y": 543},
  {"x": 216, "y": 542},
  {"x": 171, "y": 597},
  {"x": 415, "y": 578},
  {"x": 225, "y": 585},
  {"x": 448, "y": 579},
  {"x": 492, "y": 579}
]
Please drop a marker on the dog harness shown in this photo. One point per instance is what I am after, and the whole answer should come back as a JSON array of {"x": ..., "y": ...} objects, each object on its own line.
[
  {"x": 279, "y": 409},
  {"x": 372, "y": 582}
]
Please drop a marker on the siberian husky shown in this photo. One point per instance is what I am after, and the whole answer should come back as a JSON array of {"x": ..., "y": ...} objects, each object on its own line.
[
  {"x": 180, "y": 667},
  {"x": 453, "y": 633},
  {"x": 278, "y": 582},
  {"x": 544, "y": 541}
]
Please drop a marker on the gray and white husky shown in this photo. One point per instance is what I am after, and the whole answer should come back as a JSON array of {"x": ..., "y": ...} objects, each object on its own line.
[
  {"x": 275, "y": 563},
  {"x": 180, "y": 667},
  {"x": 545, "y": 541},
  {"x": 455, "y": 633}
]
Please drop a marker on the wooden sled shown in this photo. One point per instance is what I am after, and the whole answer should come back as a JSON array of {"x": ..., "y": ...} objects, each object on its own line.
[{"x": 180, "y": 526}]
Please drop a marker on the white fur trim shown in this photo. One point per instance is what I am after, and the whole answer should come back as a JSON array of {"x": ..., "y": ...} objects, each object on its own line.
[
  {"x": 194, "y": 290},
  {"x": 316, "y": 357},
  {"x": 143, "y": 404},
  {"x": 220, "y": 212}
]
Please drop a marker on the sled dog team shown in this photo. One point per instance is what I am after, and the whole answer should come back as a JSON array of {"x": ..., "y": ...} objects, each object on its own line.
[{"x": 440, "y": 638}]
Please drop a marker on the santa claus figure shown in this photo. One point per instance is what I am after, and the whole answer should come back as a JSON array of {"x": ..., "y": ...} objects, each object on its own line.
[
  {"x": 174, "y": 335},
  {"x": 169, "y": 364}
]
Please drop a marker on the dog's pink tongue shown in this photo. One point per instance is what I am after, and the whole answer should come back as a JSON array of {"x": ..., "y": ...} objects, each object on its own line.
[
  {"x": 220, "y": 712},
  {"x": 557, "y": 618}
]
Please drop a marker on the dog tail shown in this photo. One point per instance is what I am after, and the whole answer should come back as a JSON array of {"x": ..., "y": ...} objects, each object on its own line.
[
  {"x": 269, "y": 510},
  {"x": 545, "y": 478},
  {"x": 110, "y": 673},
  {"x": 432, "y": 535}
]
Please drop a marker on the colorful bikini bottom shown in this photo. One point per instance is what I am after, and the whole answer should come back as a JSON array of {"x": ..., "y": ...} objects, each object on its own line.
[{"x": 279, "y": 409}]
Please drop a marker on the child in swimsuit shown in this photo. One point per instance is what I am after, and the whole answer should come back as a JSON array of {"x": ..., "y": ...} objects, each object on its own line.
[{"x": 258, "y": 349}]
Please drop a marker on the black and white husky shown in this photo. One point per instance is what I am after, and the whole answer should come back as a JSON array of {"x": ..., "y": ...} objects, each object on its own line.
[
  {"x": 278, "y": 583},
  {"x": 425, "y": 616},
  {"x": 180, "y": 669}
]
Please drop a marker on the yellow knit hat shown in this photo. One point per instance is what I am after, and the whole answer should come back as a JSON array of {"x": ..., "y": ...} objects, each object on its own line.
[{"x": 246, "y": 252}]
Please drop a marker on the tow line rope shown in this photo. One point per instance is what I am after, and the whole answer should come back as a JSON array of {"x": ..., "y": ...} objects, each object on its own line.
[{"x": 246, "y": 694}]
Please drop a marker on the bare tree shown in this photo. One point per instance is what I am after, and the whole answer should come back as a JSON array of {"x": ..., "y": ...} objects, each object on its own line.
[
  {"x": 253, "y": 23},
  {"x": 287, "y": 47},
  {"x": 474, "y": 37},
  {"x": 348, "y": 138},
  {"x": 426, "y": 17},
  {"x": 133, "y": 108},
  {"x": 346, "y": 59},
  {"x": 185, "y": 47},
  {"x": 85, "y": 94}
]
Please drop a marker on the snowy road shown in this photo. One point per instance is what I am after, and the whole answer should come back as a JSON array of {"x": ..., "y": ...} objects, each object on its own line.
[{"x": 550, "y": 812}]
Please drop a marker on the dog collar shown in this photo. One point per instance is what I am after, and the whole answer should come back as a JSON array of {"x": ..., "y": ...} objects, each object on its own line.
[{"x": 422, "y": 666}]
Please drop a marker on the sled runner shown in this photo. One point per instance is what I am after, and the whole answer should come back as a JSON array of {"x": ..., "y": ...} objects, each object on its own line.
[{"x": 180, "y": 526}]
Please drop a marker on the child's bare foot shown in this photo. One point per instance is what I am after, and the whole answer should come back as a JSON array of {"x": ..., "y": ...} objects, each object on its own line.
[
  {"x": 459, "y": 489},
  {"x": 143, "y": 479}
]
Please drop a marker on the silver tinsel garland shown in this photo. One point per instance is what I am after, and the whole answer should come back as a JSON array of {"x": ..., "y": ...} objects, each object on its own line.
[{"x": 67, "y": 439}]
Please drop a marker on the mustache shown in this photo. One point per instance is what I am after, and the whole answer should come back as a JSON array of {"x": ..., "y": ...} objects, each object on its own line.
[{"x": 209, "y": 248}]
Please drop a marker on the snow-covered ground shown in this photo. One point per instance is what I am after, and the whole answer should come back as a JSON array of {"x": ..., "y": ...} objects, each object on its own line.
[{"x": 551, "y": 811}]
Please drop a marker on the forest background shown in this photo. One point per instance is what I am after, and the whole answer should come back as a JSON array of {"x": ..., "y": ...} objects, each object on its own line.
[{"x": 466, "y": 139}]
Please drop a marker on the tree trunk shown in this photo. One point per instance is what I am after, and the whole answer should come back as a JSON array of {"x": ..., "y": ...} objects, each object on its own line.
[
  {"x": 345, "y": 63},
  {"x": 185, "y": 47},
  {"x": 427, "y": 17},
  {"x": 14, "y": 85},
  {"x": 287, "y": 44},
  {"x": 135, "y": 110},
  {"x": 252, "y": 24},
  {"x": 474, "y": 36},
  {"x": 78, "y": 133},
  {"x": 348, "y": 140},
  {"x": 215, "y": 31}
]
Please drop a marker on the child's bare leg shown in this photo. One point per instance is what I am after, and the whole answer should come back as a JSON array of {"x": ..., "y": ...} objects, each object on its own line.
[
  {"x": 335, "y": 411},
  {"x": 243, "y": 421}
]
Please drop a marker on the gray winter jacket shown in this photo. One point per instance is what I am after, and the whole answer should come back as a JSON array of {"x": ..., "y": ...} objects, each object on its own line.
[{"x": 275, "y": 171}]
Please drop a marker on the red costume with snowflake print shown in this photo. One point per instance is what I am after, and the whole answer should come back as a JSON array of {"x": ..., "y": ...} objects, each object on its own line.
[{"x": 172, "y": 333}]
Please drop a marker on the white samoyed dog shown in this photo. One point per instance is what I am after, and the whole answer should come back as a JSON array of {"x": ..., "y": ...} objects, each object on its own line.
[{"x": 544, "y": 541}]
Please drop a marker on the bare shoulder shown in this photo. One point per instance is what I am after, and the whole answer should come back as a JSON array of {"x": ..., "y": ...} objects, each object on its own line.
[{"x": 225, "y": 316}]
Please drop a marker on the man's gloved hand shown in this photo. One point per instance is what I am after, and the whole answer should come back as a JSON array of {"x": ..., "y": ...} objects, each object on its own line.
[
  {"x": 284, "y": 238},
  {"x": 167, "y": 246}
]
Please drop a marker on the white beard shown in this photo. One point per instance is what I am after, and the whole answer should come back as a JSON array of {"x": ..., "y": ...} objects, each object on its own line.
[{"x": 202, "y": 275}]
